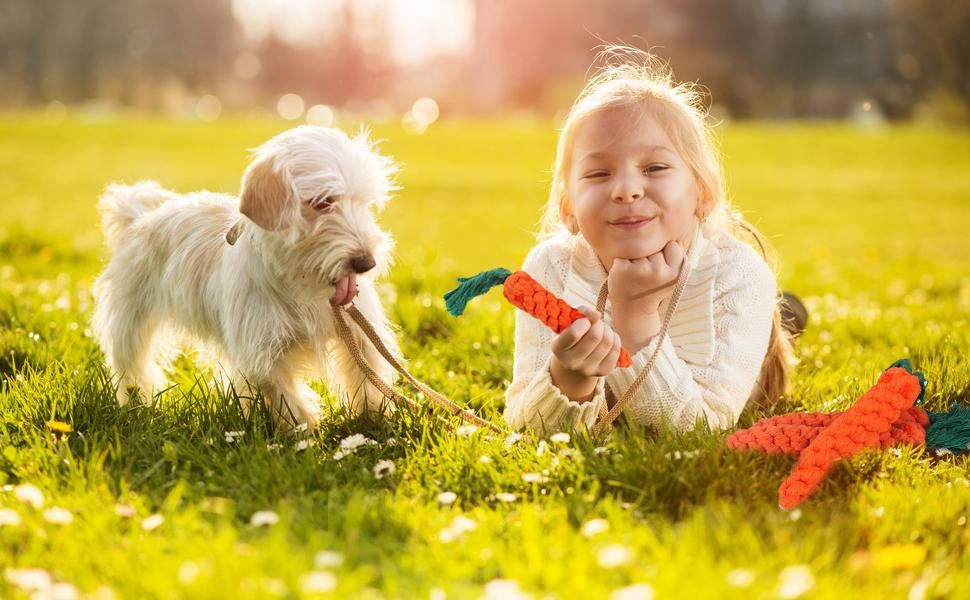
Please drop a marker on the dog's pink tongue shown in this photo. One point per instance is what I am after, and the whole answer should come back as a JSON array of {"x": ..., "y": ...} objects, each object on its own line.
[{"x": 346, "y": 290}]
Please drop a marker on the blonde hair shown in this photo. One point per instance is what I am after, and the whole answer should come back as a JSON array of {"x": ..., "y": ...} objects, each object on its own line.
[{"x": 628, "y": 77}]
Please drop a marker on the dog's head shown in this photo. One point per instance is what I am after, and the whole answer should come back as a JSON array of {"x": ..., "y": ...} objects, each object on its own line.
[{"x": 318, "y": 191}]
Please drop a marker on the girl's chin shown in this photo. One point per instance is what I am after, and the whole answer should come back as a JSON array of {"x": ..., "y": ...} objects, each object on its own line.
[{"x": 635, "y": 251}]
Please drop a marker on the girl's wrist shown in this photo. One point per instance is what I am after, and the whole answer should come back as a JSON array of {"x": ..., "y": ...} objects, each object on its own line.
[
  {"x": 636, "y": 328},
  {"x": 574, "y": 385}
]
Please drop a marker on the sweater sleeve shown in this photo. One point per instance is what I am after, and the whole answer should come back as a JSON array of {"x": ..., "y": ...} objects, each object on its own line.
[
  {"x": 532, "y": 400},
  {"x": 681, "y": 391}
]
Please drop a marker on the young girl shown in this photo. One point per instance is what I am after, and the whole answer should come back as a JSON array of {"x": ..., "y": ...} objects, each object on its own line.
[{"x": 636, "y": 189}]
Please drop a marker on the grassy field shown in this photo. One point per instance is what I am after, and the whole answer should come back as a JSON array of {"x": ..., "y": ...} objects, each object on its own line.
[{"x": 188, "y": 498}]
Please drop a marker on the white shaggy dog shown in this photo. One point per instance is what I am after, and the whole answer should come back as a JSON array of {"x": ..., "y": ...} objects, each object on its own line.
[{"x": 260, "y": 290}]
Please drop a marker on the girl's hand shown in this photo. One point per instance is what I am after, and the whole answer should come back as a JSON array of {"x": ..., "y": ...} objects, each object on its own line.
[
  {"x": 584, "y": 351},
  {"x": 641, "y": 284},
  {"x": 637, "y": 287}
]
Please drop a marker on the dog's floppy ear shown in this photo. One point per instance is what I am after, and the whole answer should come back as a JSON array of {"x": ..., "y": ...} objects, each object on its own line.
[{"x": 264, "y": 195}]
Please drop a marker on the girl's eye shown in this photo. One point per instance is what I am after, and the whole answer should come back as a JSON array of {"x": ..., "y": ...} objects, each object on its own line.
[
  {"x": 595, "y": 175},
  {"x": 655, "y": 168},
  {"x": 323, "y": 203}
]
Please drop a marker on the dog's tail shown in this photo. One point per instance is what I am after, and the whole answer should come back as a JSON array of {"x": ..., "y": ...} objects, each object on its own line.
[{"x": 121, "y": 205}]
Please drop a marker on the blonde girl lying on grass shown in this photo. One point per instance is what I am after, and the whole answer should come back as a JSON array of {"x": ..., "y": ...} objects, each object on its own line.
[{"x": 637, "y": 183}]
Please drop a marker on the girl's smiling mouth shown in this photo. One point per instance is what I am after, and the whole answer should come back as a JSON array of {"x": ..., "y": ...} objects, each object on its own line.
[{"x": 631, "y": 222}]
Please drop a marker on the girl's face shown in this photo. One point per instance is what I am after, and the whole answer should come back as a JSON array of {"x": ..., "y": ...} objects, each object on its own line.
[{"x": 630, "y": 191}]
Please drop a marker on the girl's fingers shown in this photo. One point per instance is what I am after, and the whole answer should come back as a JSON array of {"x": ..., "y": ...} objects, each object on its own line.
[
  {"x": 582, "y": 349},
  {"x": 673, "y": 254},
  {"x": 570, "y": 336},
  {"x": 589, "y": 312},
  {"x": 598, "y": 359},
  {"x": 609, "y": 363}
]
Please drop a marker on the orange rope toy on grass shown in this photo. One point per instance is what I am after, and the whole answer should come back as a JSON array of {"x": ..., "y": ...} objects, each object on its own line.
[
  {"x": 886, "y": 415},
  {"x": 525, "y": 293}
]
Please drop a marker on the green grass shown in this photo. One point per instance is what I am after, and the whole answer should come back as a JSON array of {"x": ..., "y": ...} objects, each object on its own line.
[{"x": 869, "y": 227}]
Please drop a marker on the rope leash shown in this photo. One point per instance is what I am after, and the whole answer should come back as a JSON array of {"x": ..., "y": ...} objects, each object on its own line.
[
  {"x": 604, "y": 421},
  {"x": 440, "y": 399}
]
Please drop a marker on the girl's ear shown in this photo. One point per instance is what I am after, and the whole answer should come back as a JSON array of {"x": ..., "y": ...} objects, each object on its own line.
[
  {"x": 264, "y": 196},
  {"x": 568, "y": 219},
  {"x": 704, "y": 204}
]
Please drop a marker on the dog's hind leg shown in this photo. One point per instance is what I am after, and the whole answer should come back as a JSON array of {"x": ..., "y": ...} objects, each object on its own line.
[{"x": 126, "y": 329}]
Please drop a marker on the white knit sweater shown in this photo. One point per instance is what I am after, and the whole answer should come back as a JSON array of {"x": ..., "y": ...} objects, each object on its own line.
[{"x": 709, "y": 362}]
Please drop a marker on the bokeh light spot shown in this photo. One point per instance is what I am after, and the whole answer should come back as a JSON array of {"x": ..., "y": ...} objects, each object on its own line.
[
  {"x": 290, "y": 107},
  {"x": 320, "y": 114},
  {"x": 208, "y": 108}
]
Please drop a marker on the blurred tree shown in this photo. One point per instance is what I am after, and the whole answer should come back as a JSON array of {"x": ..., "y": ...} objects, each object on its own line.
[
  {"x": 931, "y": 54},
  {"x": 81, "y": 49}
]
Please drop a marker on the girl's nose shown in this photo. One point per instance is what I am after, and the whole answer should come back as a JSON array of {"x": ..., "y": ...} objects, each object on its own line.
[{"x": 627, "y": 189}]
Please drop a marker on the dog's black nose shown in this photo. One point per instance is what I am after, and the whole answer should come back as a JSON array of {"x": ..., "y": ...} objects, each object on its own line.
[{"x": 362, "y": 264}]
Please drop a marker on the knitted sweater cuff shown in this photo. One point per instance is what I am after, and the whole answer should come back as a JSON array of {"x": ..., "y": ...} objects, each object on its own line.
[{"x": 547, "y": 410}]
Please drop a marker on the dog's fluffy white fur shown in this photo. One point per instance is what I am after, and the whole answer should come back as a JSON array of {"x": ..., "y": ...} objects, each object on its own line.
[{"x": 264, "y": 298}]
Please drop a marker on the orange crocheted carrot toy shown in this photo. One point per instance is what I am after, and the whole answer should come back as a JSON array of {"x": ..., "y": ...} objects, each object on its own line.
[
  {"x": 884, "y": 416},
  {"x": 858, "y": 428},
  {"x": 525, "y": 293}
]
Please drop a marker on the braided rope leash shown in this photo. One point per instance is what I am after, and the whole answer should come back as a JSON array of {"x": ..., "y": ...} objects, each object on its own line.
[
  {"x": 347, "y": 337},
  {"x": 606, "y": 416}
]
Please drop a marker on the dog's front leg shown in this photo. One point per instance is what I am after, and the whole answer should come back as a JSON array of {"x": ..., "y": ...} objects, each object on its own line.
[{"x": 292, "y": 402}]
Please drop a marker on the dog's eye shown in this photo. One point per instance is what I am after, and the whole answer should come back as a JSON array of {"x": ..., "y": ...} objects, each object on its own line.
[{"x": 323, "y": 202}]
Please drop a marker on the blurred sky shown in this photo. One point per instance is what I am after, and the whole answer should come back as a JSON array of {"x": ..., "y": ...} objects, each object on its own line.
[{"x": 419, "y": 29}]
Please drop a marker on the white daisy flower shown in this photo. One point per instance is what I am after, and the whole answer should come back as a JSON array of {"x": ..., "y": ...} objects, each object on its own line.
[
  {"x": 462, "y": 524},
  {"x": 9, "y": 517},
  {"x": 355, "y": 441},
  {"x": 232, "y": 435},
  {"x": 318, "y": 582},
  {"x": 447, "y": 497},
  {"x": 513, "y": 439},
  {"x": 153, "y": 522},
  {"x": 613, "y": 556},
  {"x": 795, "y": 581},
  {"x": 124, "y": 511},
  {"x": 328, "y": 559},
  {"x": 637, "y": 591},
  {"x": 739, "y": 578},
  {"x": 594, "y": 527},
  {"x": 60, "y": 591},
  {"x": 28, "y": 579},
  {"x": 505, "y": 497},
  {"x": 559, "y": 438},
  {"x": 383, "y": 468},
  {"x": 262, "y": 518},
  {"x": 304, "y": 444},
  {"x": 29, "y": 494},
  {"x": 466, "y": 430},
  {"x": 188, "y": 572},
  {"x": 503, "y": 589},
  {"x": 56, "y": 514}
]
